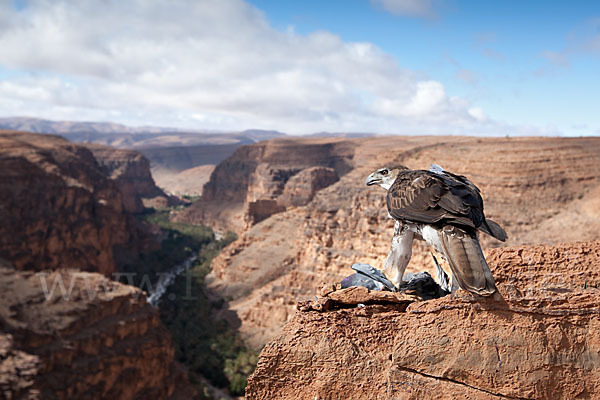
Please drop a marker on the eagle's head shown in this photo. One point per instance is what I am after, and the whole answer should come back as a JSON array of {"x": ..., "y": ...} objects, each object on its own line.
[{"x": 385, "y": 176}]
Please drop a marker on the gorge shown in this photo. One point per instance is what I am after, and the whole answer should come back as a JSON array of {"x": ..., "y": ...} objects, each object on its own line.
[{"x": 301, "y": 215}]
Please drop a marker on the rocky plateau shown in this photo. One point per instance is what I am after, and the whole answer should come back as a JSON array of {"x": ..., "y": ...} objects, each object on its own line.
[{"x": 541, "y": 190}]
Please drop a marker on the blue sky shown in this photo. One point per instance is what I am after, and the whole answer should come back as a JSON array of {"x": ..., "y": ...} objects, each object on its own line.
[
  {"x": 523, "y": 61},
  {"x": 386, "y": 66}
]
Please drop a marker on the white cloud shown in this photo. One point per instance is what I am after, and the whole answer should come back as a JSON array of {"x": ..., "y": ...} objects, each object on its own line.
[
  {"x": 412, "y": 8},
  {"x": 477, "y": 113},
  {"x": 214, "y": 64},
  {"x": 429, "y": 95}
]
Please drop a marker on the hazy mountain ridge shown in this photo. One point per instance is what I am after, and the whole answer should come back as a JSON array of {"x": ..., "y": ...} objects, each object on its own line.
[{"x": 124, "y": 136}]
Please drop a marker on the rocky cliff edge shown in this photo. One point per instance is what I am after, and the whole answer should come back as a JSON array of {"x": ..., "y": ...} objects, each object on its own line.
[{"x": 539, "y": 339}]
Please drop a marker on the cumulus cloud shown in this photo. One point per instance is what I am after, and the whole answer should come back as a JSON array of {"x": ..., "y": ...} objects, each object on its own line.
[{"x": 213, "y": 64}]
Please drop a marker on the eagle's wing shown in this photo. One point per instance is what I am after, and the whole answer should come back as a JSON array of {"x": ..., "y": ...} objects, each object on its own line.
[
  {"x": 487, "y": 225},
  {"x": 466, "y": 260},
  {"x": 427, "y": 197}
]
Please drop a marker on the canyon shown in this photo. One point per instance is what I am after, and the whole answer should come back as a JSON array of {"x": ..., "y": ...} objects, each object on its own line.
[
  {"x": 69, "y": 224},
  {"x": 303, "y": 215},
  {"x": 541, "y": 190}
]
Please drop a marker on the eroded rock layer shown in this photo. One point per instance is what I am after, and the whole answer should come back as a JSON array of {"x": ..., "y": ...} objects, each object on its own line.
[
  {"x": 534, "y": 341},
  {"x": 98, "y": 339},
  {"x": 61, "y": 208}
]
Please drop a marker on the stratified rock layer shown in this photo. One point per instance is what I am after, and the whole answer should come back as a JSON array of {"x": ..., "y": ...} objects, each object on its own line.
[
  {"x": 259, "y": 172},
  {"x": 534, "y": 341},
  {"x": 103, "y": 340},
  {"x": 61, "y": 209}
]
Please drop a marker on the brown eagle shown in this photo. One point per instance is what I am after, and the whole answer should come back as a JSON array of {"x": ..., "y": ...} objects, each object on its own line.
[{"x": 445, "y": 210}]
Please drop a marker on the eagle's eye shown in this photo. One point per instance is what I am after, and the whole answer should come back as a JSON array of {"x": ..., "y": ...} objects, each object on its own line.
[{"x": 384, "y": 172}]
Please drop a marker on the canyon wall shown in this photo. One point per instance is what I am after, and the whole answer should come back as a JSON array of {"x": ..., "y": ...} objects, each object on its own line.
[
  {"x": 58, "y": 208},
  {"x": 130, "y": 171},
  {"x": 99, "y": 339},
  {"x": 542, "y": 190},
  {"x": 250, "y": 185},
  {"x": 65, "y": 209},
  {"x": 538, "y": 339}
]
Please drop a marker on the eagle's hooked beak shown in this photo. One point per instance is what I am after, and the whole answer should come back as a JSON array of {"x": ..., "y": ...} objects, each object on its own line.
[{"x": 371, "y": 180}]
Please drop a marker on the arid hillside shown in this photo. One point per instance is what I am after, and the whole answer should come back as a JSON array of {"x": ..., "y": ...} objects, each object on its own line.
[
  {"x": 542, "y": 190},
  {"x": 188, "y": 182}
]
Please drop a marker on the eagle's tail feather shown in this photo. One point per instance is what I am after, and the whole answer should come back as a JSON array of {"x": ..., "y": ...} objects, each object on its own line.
[
  {"x": 493, "y": 229},
  {"x": 467, "y": 261}
]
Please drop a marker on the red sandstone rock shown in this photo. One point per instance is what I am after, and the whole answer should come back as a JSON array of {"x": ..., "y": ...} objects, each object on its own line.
[
  {"x": 534, "y": 341},
  {"x": 95, "y": 344},
  {"x": 60, "y": 209}
]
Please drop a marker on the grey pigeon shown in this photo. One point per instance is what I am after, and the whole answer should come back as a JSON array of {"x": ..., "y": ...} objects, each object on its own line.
[
  {"x": 374, "y": 274},
  {"x": 358, "y": 279}
]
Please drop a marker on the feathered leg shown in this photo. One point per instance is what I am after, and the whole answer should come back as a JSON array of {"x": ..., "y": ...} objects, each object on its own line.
[{"x": 399, "y": 255}]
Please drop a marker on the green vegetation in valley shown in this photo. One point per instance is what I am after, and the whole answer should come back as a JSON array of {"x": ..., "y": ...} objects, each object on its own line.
[
  {"x": 180, "y": 242},
  {"x": 205, "y": 340}
]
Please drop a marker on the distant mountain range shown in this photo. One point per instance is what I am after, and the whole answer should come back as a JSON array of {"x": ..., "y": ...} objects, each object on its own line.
[
  {"x": 348, "y": 135},
  {"x": 124, "y": 136},
  {"x": 168, "y": 149}
]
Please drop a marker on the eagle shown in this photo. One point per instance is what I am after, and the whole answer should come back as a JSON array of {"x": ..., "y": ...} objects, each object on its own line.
[{"x": 445, "y": 210}]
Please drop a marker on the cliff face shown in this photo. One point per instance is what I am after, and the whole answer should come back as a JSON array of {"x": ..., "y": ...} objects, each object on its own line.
[
  {"x": 255, "y": 177},
  {"x": 58, "y": 208},
  {"x": 542, "y": 190},
  {"x": 101, "y": 341},
  {"x": 64, "y": 206},
  {"x": 130, "y": 171},
  {"x": 540, "y": 339}
]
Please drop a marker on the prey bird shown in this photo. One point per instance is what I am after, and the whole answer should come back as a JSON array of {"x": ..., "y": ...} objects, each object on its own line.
[{"x": 445, "y": 210}]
